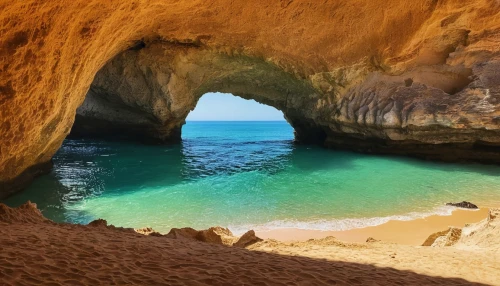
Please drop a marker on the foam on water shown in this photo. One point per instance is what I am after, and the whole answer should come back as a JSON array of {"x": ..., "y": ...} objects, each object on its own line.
[{"x": 340, "y": 224}]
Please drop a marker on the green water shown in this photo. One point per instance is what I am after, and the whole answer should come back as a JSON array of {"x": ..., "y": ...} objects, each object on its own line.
[{"x": 248, "y": 175}]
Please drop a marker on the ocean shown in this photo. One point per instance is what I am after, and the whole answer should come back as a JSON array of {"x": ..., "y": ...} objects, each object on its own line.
[{"x": 247, "y": 175}]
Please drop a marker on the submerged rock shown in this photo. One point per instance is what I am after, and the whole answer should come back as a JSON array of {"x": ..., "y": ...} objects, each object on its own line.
[{"x": 464, "y": 205}]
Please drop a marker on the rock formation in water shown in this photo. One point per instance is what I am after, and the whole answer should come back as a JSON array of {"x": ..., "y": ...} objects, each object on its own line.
[
  {"x": 463, "y": 204},
  {"x": 406, "y": 77}
]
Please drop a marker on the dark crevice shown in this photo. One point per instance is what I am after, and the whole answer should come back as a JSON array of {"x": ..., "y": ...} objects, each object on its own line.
[
  {"x": 138, "y": 45},
  {"x": 408, "y": 82}
]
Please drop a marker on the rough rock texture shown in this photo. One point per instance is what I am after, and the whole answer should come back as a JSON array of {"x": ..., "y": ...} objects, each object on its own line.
[
  {"x": 406, "y": 77},
  {"x": 447, "y": 237},
  {"x": 215, "y": 235},
  {"x": 148, "y": 93},
  {"x": 464, "y": 205},
  {"x": 147, "y": 231},
  {"x": 483, "y": 234},
  {"x": 98, "y": 223},
  {"x": 247, "y": 239}
]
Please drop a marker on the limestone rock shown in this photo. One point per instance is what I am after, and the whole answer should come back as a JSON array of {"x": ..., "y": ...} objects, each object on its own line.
[
  {"x": 98, "y": 223},
  {"x": 493, "y": 214},
  {"x": 182, "y": 233},
  {"x": 148, "y": 231},
  {"x": 464, "y": 205},
  {"x": 372, "y": 240},
  {"x": 247, "y": 239},
  {"x": 447, "y": 237},
  {"x": 216, "y": 235}
]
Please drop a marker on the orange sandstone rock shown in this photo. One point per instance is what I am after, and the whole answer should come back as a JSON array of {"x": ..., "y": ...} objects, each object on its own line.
[{"x": 408, "y": 77}]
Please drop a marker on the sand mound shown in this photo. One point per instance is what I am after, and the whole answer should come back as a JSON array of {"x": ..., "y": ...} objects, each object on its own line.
[{"x": 26, "y": 213}]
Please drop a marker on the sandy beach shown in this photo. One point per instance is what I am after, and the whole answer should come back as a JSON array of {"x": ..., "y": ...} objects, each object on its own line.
[
  {"x": 37, "y": 251},
  {"x": 412, "y": 232}
]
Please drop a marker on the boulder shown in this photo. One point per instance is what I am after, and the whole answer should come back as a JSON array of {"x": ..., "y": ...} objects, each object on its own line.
[
  {"x": 216, "y": 235},
  {"x": 464, "y": 205},
  {"x": 447, "y": 237},
  {"x": 247, "y": 239},
  {"x": 148, "y": 231},
  {"x": 98, "y": 223}
]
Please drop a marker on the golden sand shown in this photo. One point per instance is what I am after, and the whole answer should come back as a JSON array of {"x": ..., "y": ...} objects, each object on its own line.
[
  {"x": 413, "y": 232},
  {"x": 36, "y": 251}
]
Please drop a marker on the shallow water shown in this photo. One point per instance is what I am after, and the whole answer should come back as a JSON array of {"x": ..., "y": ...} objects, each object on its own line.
[{"x": 247, "y": 175}]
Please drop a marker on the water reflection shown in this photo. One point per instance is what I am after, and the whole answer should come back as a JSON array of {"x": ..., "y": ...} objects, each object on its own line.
[
  {"x": 89, "y": 168},
  {"x": 250, "y": 173}
]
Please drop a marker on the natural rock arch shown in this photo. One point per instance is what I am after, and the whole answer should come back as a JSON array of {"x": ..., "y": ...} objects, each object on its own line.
[
  {"x": 396, "y": 76},
  {"x": 148, "y": 92}
]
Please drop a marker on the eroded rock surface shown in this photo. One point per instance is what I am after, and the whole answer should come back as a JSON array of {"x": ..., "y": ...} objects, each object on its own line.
[
  {"x": 407, "y": 77},
  {"x": 214, "y": 235},
  {"x": 444, "y": 238}
]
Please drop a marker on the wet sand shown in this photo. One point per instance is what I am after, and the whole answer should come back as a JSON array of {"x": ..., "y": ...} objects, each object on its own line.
[{"x": 413, "y": 232}]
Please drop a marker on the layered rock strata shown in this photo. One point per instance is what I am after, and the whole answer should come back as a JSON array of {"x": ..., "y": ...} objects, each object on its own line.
[{"x": 417, "y": 78}]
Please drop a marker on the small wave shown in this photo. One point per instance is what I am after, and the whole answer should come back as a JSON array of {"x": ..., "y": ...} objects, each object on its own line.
[{"x": 339, "y": 224}]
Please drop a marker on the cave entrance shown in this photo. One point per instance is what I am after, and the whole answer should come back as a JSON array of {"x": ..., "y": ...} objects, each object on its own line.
[{"x": 147, "y": 94}]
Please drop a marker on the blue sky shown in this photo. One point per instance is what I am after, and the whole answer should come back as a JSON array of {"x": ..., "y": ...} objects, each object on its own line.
[{"x": 227, "y": 107}]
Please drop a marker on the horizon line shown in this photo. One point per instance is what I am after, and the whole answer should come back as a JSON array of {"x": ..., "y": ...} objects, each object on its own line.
[{"x": 254, "y": 120}]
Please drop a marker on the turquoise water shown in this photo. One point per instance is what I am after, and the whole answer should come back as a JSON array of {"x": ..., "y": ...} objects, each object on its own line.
[{"x": 247, "y": 175}]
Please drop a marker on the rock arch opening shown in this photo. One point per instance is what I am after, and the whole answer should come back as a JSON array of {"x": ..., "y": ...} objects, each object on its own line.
[{"x": 147, "y": 93}]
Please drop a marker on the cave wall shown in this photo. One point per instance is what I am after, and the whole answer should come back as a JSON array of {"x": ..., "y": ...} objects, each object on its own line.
[
  {"x": 390, "y": 70},
  {"x": 147, "y": 93}
]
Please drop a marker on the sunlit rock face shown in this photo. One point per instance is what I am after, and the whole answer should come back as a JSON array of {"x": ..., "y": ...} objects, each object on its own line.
[{"x": 410, "y": 77}]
